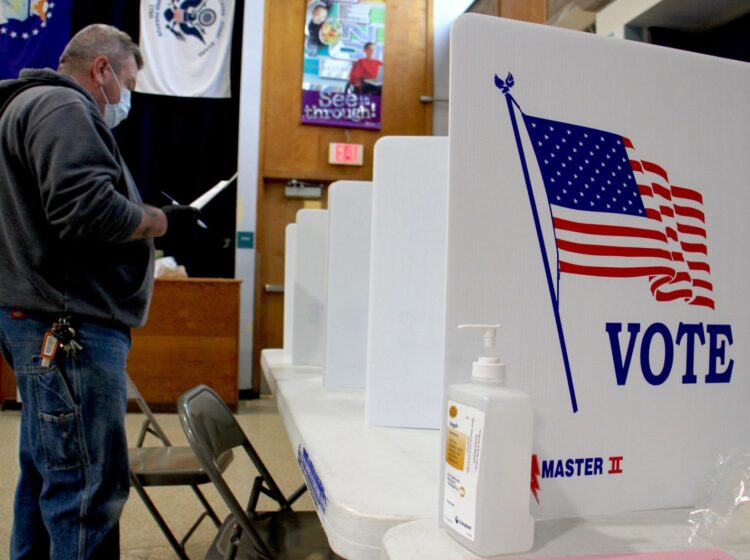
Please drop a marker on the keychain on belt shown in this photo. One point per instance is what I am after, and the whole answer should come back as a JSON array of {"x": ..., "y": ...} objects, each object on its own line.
[{"x": 61, "y": 335}]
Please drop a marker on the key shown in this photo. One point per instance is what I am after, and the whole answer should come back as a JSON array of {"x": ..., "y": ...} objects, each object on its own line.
[
  {"x": 72, "y": 348},
  {"x": 65, "y": 333}
]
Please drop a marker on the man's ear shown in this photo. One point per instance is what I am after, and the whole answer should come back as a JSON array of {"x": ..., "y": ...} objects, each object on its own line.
[{"x": 98, "y": 67}]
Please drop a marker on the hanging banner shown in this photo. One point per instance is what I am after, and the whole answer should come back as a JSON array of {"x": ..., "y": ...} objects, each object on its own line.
[
  {"x": 33, "y": 34},
  {"x": 343, "y": 69},
  {"x": 186, "y": 45}
]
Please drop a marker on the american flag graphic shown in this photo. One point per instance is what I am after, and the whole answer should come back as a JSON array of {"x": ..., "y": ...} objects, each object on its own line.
[{"x": 618, "y": 216}]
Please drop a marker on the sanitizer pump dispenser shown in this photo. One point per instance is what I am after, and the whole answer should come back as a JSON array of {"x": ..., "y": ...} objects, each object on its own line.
[{"x": 488, "y": 459}]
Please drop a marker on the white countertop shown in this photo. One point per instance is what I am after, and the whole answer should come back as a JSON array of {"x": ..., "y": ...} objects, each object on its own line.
[
  {"x": 373, "y": 478},
  {"x": 616, "y": 534}
]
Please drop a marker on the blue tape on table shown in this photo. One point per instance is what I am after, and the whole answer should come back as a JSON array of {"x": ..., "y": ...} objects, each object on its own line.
[{"x": 317, "y": 491}]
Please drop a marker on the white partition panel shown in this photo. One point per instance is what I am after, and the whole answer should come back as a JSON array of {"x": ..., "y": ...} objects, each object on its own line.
[
  {"x": 350, "y": 209},
  {"x": 290, "y": 261},
  {"x": 407, "y": 282},
  {"x": 309, "y": 311},
  {"x": 598, "y": 211}
]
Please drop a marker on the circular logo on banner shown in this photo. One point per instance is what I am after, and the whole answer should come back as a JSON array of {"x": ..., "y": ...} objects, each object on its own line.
[{"x": 190, "y": 18}]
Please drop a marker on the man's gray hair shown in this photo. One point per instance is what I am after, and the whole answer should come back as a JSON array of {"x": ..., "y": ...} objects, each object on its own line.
[{"x": 100, "y": 39}]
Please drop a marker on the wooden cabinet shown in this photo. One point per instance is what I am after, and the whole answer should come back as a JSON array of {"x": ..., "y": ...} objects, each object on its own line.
[
  {"x": 191, "y": 337},
  {"x": 7, "y": 386}
]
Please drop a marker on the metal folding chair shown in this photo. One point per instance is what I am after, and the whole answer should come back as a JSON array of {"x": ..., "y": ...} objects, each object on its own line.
[
  {"x": 212, "y": 430},
  {"x": 167, "y": 465}
]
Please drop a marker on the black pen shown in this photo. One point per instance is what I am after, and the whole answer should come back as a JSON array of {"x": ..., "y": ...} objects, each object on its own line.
[{"x": 175, "y": 203}]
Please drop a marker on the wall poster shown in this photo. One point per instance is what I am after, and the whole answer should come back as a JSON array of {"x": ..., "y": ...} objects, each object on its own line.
[{"x": 343, "y": 63}]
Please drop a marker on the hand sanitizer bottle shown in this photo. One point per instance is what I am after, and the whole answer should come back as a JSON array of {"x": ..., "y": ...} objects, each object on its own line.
[{"x": 488, "y": 460}]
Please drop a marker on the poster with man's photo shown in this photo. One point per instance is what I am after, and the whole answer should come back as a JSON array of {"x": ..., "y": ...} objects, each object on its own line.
[{"x": 343, "y": 70}]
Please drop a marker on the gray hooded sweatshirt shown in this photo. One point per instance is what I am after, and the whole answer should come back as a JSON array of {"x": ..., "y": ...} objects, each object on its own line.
[{"x": 68, "y": 205}]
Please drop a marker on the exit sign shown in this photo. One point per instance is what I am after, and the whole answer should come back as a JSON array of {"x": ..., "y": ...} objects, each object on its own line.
[{"x": 345, "y": 154}]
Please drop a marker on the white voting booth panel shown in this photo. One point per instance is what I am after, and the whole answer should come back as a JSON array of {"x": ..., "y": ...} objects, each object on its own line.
[
  {"x": 621, "y": 252},
  {"x": 350, "y": 208},
  {"x": 309, "y": 311},
  {"x": 290, "y": 258},
  {"x": 407, "y": 282}
]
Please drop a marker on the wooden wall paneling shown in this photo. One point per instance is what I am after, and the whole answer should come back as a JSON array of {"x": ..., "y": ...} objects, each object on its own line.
[
  {"x": 407, "y": 69},
  {"x": 534, "y": 11},
  {"x": 485, "y": 7},
  {"x": 429, "y": 61}
]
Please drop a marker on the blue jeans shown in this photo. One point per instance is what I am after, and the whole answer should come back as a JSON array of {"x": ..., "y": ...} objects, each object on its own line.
[{"x": 73, "y": 452}]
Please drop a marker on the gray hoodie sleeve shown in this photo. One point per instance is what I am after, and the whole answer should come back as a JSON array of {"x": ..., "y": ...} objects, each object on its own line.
[{"x": 75, "y": 161}]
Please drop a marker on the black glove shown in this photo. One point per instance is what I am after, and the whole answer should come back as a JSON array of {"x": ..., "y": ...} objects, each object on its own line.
[{"x": 180, "y": 218}]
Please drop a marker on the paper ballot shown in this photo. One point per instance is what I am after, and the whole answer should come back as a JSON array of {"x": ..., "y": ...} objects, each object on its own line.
[{"x": 209, "y": 195}]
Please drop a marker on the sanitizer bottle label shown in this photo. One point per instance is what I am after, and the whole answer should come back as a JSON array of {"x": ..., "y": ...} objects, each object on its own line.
[{"x": 463, "y": 447}]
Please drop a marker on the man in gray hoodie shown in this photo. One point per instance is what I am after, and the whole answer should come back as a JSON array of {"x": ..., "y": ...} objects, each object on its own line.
[{"x": 76, "y": 273}]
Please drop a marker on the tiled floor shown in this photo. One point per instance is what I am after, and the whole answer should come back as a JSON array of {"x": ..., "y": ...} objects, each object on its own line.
[{"x": 140, "y": 537}]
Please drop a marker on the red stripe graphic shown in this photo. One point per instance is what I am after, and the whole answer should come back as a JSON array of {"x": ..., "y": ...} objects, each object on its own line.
[
  {"x": 695, "y": 248},
  {"x": 691, "y": 230},
  {"x": 704, "y": 301},
  {"x": 690, "y": 213},
  {"x": 672, "y": 296},
  {"x": 658, "y": 281},
  {"x": 661, "y": 191},
  {"x": 611, "y": 251},
  {"x": 610, "y": 272},
  {"x": 682, "y": 192},
  {"x": 666, "y": 211},
  {"x": 597, "y": 229},
  {"x": 693, "y": 265},
  {"x": 653, "y": 168}
]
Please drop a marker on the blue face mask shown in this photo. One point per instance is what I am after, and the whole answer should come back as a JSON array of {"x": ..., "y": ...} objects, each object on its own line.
[{"x": 115, "y": 113}]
